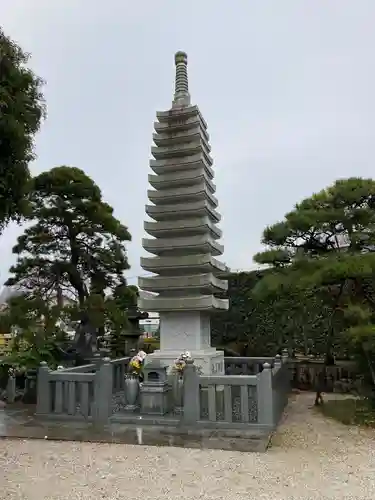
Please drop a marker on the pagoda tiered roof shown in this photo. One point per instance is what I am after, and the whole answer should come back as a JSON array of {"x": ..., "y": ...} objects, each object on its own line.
[{"x": 183, "y": 207}]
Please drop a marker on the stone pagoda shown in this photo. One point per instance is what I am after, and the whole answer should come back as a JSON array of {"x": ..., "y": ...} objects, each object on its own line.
[{"x": 184, "y": 233}]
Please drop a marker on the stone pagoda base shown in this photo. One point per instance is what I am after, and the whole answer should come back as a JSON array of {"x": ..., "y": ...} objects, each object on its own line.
[
  {"x": 210, "y": 361},
  {"x": 188, "y": 331}
]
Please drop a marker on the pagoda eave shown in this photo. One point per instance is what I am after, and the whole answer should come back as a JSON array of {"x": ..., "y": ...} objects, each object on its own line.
[
  {"x": 187, "y": 227},
  {"x": 183, "y": 163},
  {"x": 182, "y": 195},
  {"x": 181, "y": 179},
  {"x": 183, "y": 113},
  {"x": 207, "y": 303},
  {"x": 181, "y": 126},
  {"x": 183, "y": 265},
  {"x": 185, "y": 149},
  {"x": 166, "y": 139},
  {"x": 196, "y": 244},
  {"x": 200, "y": 208},
  {"x": 204, "y": 284}
]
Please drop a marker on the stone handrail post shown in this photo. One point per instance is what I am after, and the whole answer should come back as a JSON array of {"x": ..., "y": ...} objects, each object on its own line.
[
  {"x": 278, "y": 360},
  {"x": 265, "y": 397},
  {"x": 97, "y": 360},
  {"x": 11, "y": 388},
  {"x": 103, "y": 383},
  {"x": 191, "y": 400},
  {"x": 285, "y": 355},
  {"x": 288, "y": 371},
  {"x": 43, "y": 401}
]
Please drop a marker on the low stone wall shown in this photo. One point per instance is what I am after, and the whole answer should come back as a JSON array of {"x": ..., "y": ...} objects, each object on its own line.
[{"x": 342, "y": 377}]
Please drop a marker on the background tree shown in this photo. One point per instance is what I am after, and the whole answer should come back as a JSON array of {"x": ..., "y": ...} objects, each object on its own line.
[
  {"x": 325, "y": 246},
  {"x": 37, "y": 331},
  {"x": 74, "y": 247},
  {"x": 123, "y": 300},
  {"x": 21, "y": 111}
]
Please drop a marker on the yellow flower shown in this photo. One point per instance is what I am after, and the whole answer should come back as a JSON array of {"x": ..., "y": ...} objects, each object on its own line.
[{"x": 135, "y": 364}]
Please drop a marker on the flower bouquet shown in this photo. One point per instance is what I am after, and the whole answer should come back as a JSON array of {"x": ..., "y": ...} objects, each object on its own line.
[
  {"x": 133, "y": 379},
  {"x": 136, "y": 365},
  {"x": 180, "y": 363}
]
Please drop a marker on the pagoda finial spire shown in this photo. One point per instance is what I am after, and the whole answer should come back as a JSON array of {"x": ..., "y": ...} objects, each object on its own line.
[{"x": 181, "y": 94}]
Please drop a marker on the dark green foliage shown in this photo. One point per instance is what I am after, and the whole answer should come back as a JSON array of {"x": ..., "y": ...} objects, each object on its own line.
[
  {"x": 75, "y": 244},
  {"x": 73, "y": 255},
  {"x": 124, "y": 300},
  {"x": 235, "y": 325},
  {"x": 325, "y": 247},
  {"x": 21, "y": 112},
  {"x": 315, "y": 296},
  {"x": 261, "y": 327},
  {"x": 37, "y": 330}
]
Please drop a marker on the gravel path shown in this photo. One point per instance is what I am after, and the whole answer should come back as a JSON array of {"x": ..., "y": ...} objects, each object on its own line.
[{"x": 311, "y": 458}]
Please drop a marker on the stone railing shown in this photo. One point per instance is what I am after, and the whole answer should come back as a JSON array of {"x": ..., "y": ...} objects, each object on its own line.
[
  {"x": 68, "y": 393},
  {"x": 228, "y": 399},
  {"x": 342, "y": 377},
  {"x": 89, "y": 368},
  {"x": 237, "y": 400},
  {"x": 246, "y": 366},
  {"x": 212, "y": 402},
  {"x": 120, "y": 367},
  {"x": 82, "y": 392},
  {"x": 305, "y": 375}
]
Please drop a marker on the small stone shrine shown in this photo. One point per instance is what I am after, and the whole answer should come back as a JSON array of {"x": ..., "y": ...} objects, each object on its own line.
[{"x": 155, "y": 389}]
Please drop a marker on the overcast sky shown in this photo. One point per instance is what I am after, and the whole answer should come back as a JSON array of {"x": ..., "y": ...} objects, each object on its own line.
[{"x": 286, "y": 87}]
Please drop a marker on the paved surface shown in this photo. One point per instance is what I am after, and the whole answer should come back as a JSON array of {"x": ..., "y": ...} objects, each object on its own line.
[{"x": 311, "y": 458}]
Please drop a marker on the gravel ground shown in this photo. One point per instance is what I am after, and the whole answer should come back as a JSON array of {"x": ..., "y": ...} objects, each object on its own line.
[{"x": 311, "y": 458}]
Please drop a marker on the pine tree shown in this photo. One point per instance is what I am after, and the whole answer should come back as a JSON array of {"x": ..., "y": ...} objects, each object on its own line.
[
  {"x": 74, "y": 247},
  {"x": 326, "y": 246}
]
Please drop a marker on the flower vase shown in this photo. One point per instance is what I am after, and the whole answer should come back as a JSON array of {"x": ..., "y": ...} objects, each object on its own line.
[
  {"x": 131, "y": 392},
  {"x": 177, "y": 391}
]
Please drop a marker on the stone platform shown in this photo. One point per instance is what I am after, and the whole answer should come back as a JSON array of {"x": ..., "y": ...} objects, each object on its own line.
[{"x": 20, "y": 423}]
